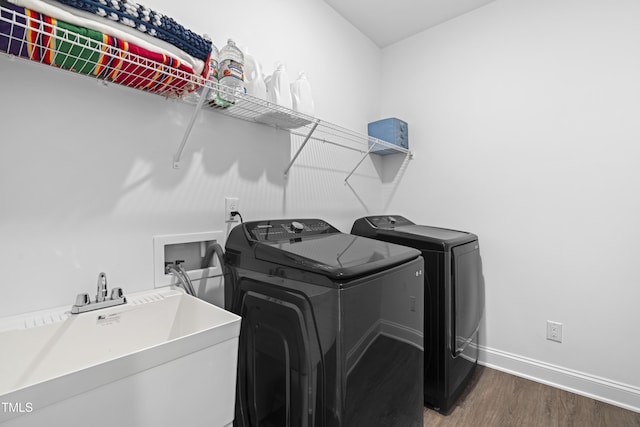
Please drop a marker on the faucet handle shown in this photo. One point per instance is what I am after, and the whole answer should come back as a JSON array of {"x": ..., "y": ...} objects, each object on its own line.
[
  {"x": 82, "y": 299},
  {"x": 102, "y": 287},
  {"x": 116, "y": 293}
]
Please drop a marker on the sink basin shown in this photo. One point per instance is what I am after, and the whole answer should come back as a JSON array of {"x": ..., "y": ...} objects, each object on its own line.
[{"x": 164, "y": 359}]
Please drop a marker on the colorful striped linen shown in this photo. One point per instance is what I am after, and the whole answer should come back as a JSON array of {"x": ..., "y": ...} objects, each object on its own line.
[
  {"x": 134, "y": 15},
  {"x": 13, "y": 28},
  {"x": 30, "y": 34},
  {"x": 80, "y": 18}
]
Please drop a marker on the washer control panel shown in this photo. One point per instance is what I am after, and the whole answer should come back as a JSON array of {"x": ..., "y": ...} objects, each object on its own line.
[
  {"x": 286, "y": 229},
  {"x": 388, "y": 221}
]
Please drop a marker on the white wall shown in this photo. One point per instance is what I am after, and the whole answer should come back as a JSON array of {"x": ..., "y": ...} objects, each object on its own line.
[
  {"x": 522, "y": 115},
  {"x": 524, "y": 119},
  {"x": 87, "y": 177}
]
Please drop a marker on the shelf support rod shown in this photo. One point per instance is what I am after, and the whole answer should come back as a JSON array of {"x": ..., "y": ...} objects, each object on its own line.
[
  {"x": 360, "y": 162},
  {"x": 306, "y": 139},
  {"x": 178, "y": 155}
]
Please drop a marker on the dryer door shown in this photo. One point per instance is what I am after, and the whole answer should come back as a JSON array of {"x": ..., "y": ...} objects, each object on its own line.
[{"x": 468, "y": 294}]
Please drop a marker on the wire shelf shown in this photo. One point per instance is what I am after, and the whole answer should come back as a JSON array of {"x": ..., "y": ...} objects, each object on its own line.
[
  {"x": 257, "y": 110},
  {"x": 39, "y": 38},
  {"x": 36, "y": 37}
]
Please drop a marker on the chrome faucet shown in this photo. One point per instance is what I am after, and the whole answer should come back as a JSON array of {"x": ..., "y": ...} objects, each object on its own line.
[
  {"x": 84, "y": 304},
  {"x": 101, "y": 295}
]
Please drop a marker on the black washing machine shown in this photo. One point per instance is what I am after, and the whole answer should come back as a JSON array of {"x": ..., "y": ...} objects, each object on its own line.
[
  {"x": 454, "y": 301},
  {"x": 332, "y": 326}
]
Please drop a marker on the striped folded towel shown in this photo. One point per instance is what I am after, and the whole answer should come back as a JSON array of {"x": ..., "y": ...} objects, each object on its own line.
[
  {"x": 39, "y": 37},
  {"x": 148, "y": 21}
]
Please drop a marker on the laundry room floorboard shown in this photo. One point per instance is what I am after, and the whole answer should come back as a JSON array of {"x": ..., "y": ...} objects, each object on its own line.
[{"x": 495, "y": 398}]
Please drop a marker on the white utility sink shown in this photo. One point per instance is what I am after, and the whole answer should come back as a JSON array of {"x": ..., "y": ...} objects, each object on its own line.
[{"x": 163, "y": 359}]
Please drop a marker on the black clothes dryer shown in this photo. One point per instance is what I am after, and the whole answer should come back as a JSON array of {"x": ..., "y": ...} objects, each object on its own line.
[
  {"x": 454, "y": 301},
  {"x": 331, "y": 331}
]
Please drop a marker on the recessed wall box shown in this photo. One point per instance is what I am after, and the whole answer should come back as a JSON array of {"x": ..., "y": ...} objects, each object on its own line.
[
  {"x": 393, "y": 131},
  {"x": 189, "y": 250}
]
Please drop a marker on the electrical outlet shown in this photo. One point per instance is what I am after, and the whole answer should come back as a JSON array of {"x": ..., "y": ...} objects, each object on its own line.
[
  {"x": 554, "y": 331},
  {"x": 230, "y": 205}
]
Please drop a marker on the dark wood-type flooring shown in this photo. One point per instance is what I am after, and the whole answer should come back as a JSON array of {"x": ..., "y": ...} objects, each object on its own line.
[{"x": 494, "y": 398}]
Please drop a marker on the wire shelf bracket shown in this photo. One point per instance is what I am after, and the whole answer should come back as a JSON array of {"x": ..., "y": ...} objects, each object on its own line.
[
  {"x": 373, "y": 142},
  {"x": 306, "y": 139},
  {"x": 192, "y": 121}
]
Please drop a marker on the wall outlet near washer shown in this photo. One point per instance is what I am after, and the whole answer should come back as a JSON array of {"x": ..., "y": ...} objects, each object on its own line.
[
  {"x": 231, "y": 204},
  {"x": 554, "y": 331}
]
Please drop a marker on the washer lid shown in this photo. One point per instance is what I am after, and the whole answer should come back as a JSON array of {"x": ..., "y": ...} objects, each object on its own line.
[
  {"x": 431, "y": 233},
  {"x": 330, "y": 253},
  {"x": 410, "y": 233}
]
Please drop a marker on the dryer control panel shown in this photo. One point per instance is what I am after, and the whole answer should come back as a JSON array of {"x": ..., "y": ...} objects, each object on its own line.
[
  {"x": 286, "y": 229},
  {"x": 388, "y": 221}
]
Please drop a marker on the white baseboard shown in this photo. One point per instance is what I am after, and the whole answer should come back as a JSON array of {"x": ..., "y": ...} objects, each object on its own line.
[{"x": 612, "y": 392}]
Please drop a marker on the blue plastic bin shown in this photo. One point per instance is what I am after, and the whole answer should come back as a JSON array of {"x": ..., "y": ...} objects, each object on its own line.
[{"x": 392, "y": 130}]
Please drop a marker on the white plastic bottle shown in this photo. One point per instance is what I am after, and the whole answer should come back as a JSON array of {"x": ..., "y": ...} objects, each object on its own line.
[
  {"x": 269, "y": 86},
  {"x": 231, "y": 73},
  {"x": 278, "y": 90},
  {"x": 214, "y": 63},
  {"x": 254, "y": 79},
  {"x": 301, "y": 95}
]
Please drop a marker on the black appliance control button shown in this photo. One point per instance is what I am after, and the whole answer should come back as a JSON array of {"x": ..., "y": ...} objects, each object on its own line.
[{"x": 296, "y": 227}]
